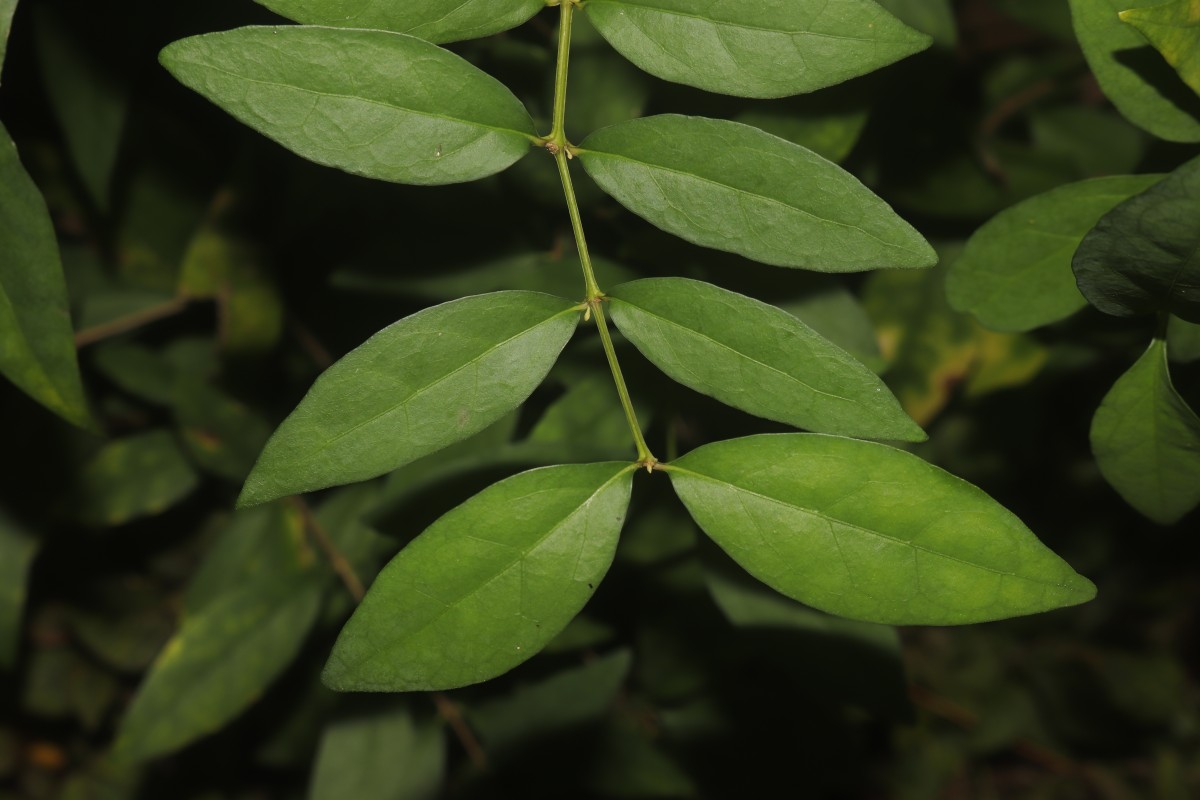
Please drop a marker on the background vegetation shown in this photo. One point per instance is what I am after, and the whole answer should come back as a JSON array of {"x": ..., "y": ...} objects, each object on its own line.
[{"x": 212, "y": 276}]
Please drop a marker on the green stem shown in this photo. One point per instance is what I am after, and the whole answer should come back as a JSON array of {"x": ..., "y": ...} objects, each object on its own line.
[{"x": 557, "y": 144}]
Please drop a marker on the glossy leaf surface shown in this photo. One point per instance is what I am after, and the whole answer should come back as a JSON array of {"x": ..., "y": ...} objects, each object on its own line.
[
  {"x": 380, "y": 752},
  {"x": 765, "y": 49},
  {"x": 1144, "y": 256},
  {"x": 425, "y": 382},
  {"x": 735, "y": 188},
  {"x": 384, "y": 105},
  {"x": 1147, "y": 440},
  {"x": 37, "y": 351},
  {"x": 232, "y": 643},
  {"x": 431, "y": 20},
  {"x": 1174, "y": 30},
  {"x": 1132, "y": 74},
  {"x": 17, "y": 550},
  {"x": 868, "y": 532},
  {"x": 486, "y": 586},
  {"x": 756, "y": 357},
  {"x": 1015, "y": 273}
]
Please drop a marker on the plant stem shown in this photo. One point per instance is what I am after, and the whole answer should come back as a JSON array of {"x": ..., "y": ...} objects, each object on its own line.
[{"x": 557, "y": 144}]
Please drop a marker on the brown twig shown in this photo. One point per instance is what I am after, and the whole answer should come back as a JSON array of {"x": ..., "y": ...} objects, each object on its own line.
[
  {"x": 448, "y": 710},
  {"x": 316, "y": 351},
  {"x": 130, "y": 322}
]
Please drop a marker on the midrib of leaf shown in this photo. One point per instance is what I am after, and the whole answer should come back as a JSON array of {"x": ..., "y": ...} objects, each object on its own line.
[
  {"x": 367, "y": 100},
  {"x": 873, "y": 533},
  {"x": 744, "y": 26},
  {"x": 503, "y": 570},
  {"x": 738, "y": 353},
  {"x": 771, "y": 200},
  {"x": 422, "y": 390}
]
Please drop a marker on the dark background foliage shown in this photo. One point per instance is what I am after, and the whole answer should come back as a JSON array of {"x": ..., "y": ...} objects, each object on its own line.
[{"x": 213, "y": 275}]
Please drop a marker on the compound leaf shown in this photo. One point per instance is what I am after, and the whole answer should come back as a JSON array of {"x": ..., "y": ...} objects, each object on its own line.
[
  {"x": 384, "y": 105},
  {"x": 488, "y": 585},
  {"x": 37, "y": 350},
  {"x": 423, "y": 383},
  {"x": 1015, "y": 273},
  {"x": 765, "y": 49},
  {"x": 732, "y": 187},
  {"x": 1147, "y": 440},
  {"x": 231, "y": 647},
  {"x": 864, "y": 531},
  {"x": 1140, "y": 83},
  {"x": 1174, "y": 30},
  {"x": 432, "y": 20},
  {"x": 1144, "y": 256},
  {"x": 756, "y": 357}
]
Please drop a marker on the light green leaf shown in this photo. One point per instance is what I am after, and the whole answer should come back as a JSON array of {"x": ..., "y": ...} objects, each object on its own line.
[
  {"x": 864, "y": 531},
  {"x": 486, "y": 586},
  {"x": 432, "y": 20},
  {"x": 1183, "y": 340},
  {"x": 7, "y": 9},
  {"x": 1015, "y": 273},
  {"x": 1147, "y": 440},
  {"x": 1143, "y": 257},
  {"x": 425, "y": 382},
  {"x": 369, "y": 102},
  {"x": 1174, "y": 30},
  {"x": 934, "y": 17},
  {"x": 756, "y": 357},
  {"x": 233, "y": 642},
  {"x": 134, "y": 477},
  {"x": 766, "y": 49},
  {"x": 732, "y": 187},
  {"x": 37, "y": 351},
  {"x": 17, "y": 550},
  {"x": 1141, "y": 85},
  {"x": 380, "y": 752}
]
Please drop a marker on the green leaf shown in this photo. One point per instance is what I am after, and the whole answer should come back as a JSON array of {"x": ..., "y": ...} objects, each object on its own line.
[
  {"x": 1183, "y": 340},
  {"x": 1144, "y": 256},
  {"x": 371, "y": 103},
  {"x": 836, "y": 313},
  {"x": 867, "y": 532},
  {"x": 756, "y": 357},
  {"x": 735, "y": 188},
  {"x": 1141, "y": 85},
  {"x": 37, "y": 351},
  {"x": 1147, "y": 440},
  {"x": 830, "y": 134},
  {"x": 425, "y": 382},
  {"x": 770, "y": 49},
  {"x": 1098, "y": 141},
  {"x": 134, "y": 477},
  {"x": 934, "y": 17},
  {"x": 231, "y": 646},
  {"x": 17, "y": 550},
  {"x": 380, "y": 752},
  {"x": 432, "y": 20},
  {"x": 1015, "y": 273},
  {"x": 7, "y": 9},
  {"x": 486, "y": 586},
  {"x": 221, "y": 434},
  {"x": 1174, "y": 30}
]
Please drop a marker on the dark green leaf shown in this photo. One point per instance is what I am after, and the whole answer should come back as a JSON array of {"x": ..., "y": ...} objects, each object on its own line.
[
  {"x": 1140, "y": 83},
  {"x": 7, "y": 9},
  {"x": 1174, "y": 30},
  {"x": 137, "y": 369},
  {"x": 831, "y": 134},
  {"x": 867, "y": 532},
  {"x": 1183, "y": 340},
  {"x": 1147, "y": 440},
  {"x": 757, "y": 358},
  {"x": 1099, "y": 141},
  {"x": 17, "y": 549},
  {"x": 604, "y": 89},
  {"x": 425, "y": 382},
  {"x": 1049, "y": 16},
  {"x": 230, "y": 648},
  {"x": 134, "y": 477},
  {"x": 370, "y": 102},
  {"x": 432, "y": 20},
  {"x": 736, "y": 188},
  {"x": 221, "y": 434},
  {"x": 1015, "y": 273},
  {"x": 934, "y": 17},
  {"x": 486, "y": 586},
  {"x": 383, "y": 752},
  {"x": 1144, "y": 256},
  {"x": 37, "y": 351},
  {"x": 769, "y": 49},
  {"x": 835, "y": 313},
  {"x": 588, "y": 414}
]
